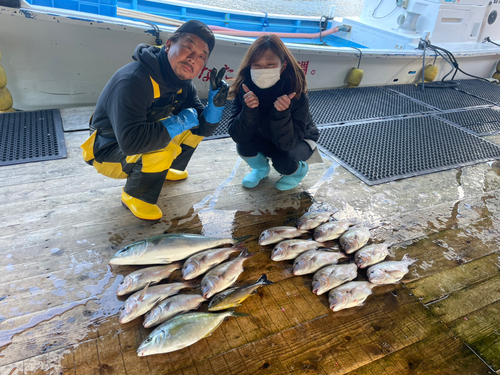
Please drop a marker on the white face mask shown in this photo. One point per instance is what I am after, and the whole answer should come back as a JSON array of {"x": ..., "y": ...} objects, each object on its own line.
[{"x": 265, "y": 78}]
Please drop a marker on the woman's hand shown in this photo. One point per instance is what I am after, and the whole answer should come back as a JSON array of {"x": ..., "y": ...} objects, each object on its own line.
[
  {"x": 283, "y": 102},
  {"x": 250, "y": 98}
]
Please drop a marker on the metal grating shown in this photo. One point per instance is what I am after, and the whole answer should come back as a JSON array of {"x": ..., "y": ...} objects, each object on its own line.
[
  {"x": 27, "y": 137},
  {"x": 351, "y": 104},
  {"x": 439, "y": 96},
  {"x": 384, "y": 151},
  {"x": 223, "y": 128},
  {"x": 485, "y": 90},
  {"x": 484, "y": 121}
]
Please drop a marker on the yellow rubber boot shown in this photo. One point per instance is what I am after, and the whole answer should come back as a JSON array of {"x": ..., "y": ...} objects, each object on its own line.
[
  {"x": 175, "y": 175},
  {"x": 141, "y": 209}
]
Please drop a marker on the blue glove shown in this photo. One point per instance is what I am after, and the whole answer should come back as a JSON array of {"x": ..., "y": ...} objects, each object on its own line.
[
  {"x": 185, "y": 120},
  {"x": 216, "y": 97}
]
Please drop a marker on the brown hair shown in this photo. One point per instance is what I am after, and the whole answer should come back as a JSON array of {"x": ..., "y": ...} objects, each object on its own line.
[{"x": 293, "y": 72}]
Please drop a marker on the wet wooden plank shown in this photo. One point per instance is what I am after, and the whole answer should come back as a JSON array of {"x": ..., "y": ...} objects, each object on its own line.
[
  {"x": 86, "y": 358},
  {"x": 481, "y": 331},
  {"x": 457, "y": 278}
]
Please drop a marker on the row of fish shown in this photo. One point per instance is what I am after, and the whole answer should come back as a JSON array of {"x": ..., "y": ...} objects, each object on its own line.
[
  {"x": 161, "y": 304},
  {"x": 318, "y": 257}
]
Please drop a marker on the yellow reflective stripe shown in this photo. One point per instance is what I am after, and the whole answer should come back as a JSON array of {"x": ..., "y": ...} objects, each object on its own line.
[
  {"x": 159, "y": 161},
  {"x": 156, "y": 88},
  {"x": 113, "y": 170},
  {"x": 179, "y": 92},
  {"x": 88, "y": 147},
  {"x": 132, "y": 159},
  {"x": 191, "y": 139}
]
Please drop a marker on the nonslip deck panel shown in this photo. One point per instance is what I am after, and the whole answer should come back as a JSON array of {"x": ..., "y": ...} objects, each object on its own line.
[
  {"x": 384, "y": 151},
  {"x": 483, "y": 121},
  {"x": 27, "y": 137}
]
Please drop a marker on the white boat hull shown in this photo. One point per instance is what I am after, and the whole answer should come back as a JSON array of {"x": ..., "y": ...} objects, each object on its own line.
[{"x": 65, "y": 59}]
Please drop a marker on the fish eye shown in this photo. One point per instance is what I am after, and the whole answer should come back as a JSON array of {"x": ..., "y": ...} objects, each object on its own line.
[{"x": 148, "y": 339}]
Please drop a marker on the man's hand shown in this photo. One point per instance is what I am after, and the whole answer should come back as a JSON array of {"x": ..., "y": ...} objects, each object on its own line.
[
  {"x": 217, "y": 83},
  {"x": 283, "y": 102},
  {"x": 250, "y": 98}
]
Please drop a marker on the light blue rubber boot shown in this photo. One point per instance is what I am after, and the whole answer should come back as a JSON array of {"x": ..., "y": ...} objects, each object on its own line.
[
  {"x": 290, "y": 181},
  {"x": 260, "y": 170}
]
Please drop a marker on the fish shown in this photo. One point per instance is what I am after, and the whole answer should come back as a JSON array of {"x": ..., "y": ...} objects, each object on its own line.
[
  {"x": 349, "y": 295},
  {"x": 170, "y": 307},
  {"x": 201, "y": 262},
  {"x": 331, "y": 276},
  {"x": 224, "y": 275},
  {"x": 370, "y": 255},
  {"x": 354, "y": 239},
  {"x": 142, "y": 301},
  {"x": 331, "y": 230},
  {"x": 389, "y": 272},
  {"x": 235, "y": 296},
  {"x": 313, "y": 260},
  {"x": 168, "y": 248},
  {"x": 277, "y": 234},
  {"x": 311, "y": 220},
  {"x": 290, "y": 249},
  {"x": 183, "y": 330},
  {"x": 150, "y": 275}
]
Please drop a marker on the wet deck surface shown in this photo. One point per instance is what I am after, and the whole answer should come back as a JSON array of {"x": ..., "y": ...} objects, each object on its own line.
[{"x": 61, "y": 222}]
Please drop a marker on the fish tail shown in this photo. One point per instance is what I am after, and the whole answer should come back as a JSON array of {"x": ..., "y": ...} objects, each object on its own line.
[
  {"x": 242, "y": 238},
  {"x": 245, "y": 254},
  {"x": 407, "y": 258},
  {"x": 238, "y": 314},
  {"x": 191, "y": 284},
  {"x": 264, "y": 281},
  {"x": 239, "y": 247}
]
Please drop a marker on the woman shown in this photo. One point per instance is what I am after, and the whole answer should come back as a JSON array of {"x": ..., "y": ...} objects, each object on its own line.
[{"x": 270, "y": 116}]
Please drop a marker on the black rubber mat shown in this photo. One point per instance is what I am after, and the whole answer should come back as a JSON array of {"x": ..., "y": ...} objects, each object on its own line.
[
  {"x": 384, "y": 151},
  {"x": 485, "y": 90},
  {"x": 223, "y": 128},
  {"x": 439, "y": 96},
  {"x": 351, "y": 104},
  {"x": 483, "y": 121},
  {"x": 27, "y": 137}
]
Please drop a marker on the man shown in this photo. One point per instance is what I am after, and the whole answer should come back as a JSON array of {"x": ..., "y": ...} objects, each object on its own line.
[{"x": 149, "y": 120}]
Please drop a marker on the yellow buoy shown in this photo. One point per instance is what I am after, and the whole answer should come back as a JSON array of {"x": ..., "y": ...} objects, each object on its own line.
[
  {"x": 430, "y": 73},
  {"x": 3, "y": 77},
  {"x": 496, "y": 75},
  {"x": 354, "y": 77},
  {"x": 5, "y": 99},
  {"x": 498, "y": 66},
  {"x": 9, "y": 110}
]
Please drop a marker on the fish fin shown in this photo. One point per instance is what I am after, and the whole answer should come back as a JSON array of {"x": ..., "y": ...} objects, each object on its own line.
[
  {"x": 143, "y": 293},
  {"x": 242, "y": 238},
  {"x": 239, "y": 247},
  {"x": 407, "y": 258},
  {"x": 175, "y": 330},
  {"x": 238, "y": 314},
  {"x": 264, "y": 281},
  {"x": 191, "y": 284},
  {"x": 245, "y": 254}
]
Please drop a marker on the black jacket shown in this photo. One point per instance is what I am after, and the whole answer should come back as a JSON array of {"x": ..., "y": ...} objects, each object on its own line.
[
  {"x": 127, "y": 112},
  {"x": 285, "y": 129}
]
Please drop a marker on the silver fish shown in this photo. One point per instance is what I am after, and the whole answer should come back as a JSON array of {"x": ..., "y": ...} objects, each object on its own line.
[
  {"x": 183, "y": 330},
  {"x": 311, "y": 220},
  {"x": 235, "y": 296},
  {"x": 331, "y": 276},
  {"x": 313, "y": 260},
  {"x": 277, "y": 234},
  {"x": 349, "y": 295},
  {"x": 223, "y": 276},
  {"x": 389, "y": 272},
  {"x": 170, "y": 307},
  {"x": 142, "y": 301},
  {"x": 354, "y": 239},
  {"x": 168, "y": 248},
  {"x": 331, "y": 230},
  {"x": 370, "y": 255},
  {"x": 149, "y": 275},
  {"x": 201, "y": 262},
  {"x": 290, "y": 249}
]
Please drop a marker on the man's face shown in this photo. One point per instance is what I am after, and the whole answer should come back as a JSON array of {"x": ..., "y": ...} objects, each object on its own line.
[{"x": 187, "y": 56}]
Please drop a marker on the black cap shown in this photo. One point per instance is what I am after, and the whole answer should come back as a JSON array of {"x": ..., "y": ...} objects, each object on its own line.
[{"x": 201, "y": 30}]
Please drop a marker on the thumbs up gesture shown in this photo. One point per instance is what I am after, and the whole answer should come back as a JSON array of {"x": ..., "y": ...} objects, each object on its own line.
[
  {"x": 283, "y": 102},
  {"x": 250, "y": 98}
]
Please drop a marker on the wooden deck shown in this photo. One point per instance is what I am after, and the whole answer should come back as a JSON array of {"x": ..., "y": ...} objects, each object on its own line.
[{"x": 61, "y": 222}]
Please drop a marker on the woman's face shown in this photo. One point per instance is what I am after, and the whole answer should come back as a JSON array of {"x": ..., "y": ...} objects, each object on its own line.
[{"x": 268, "y": 60}]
